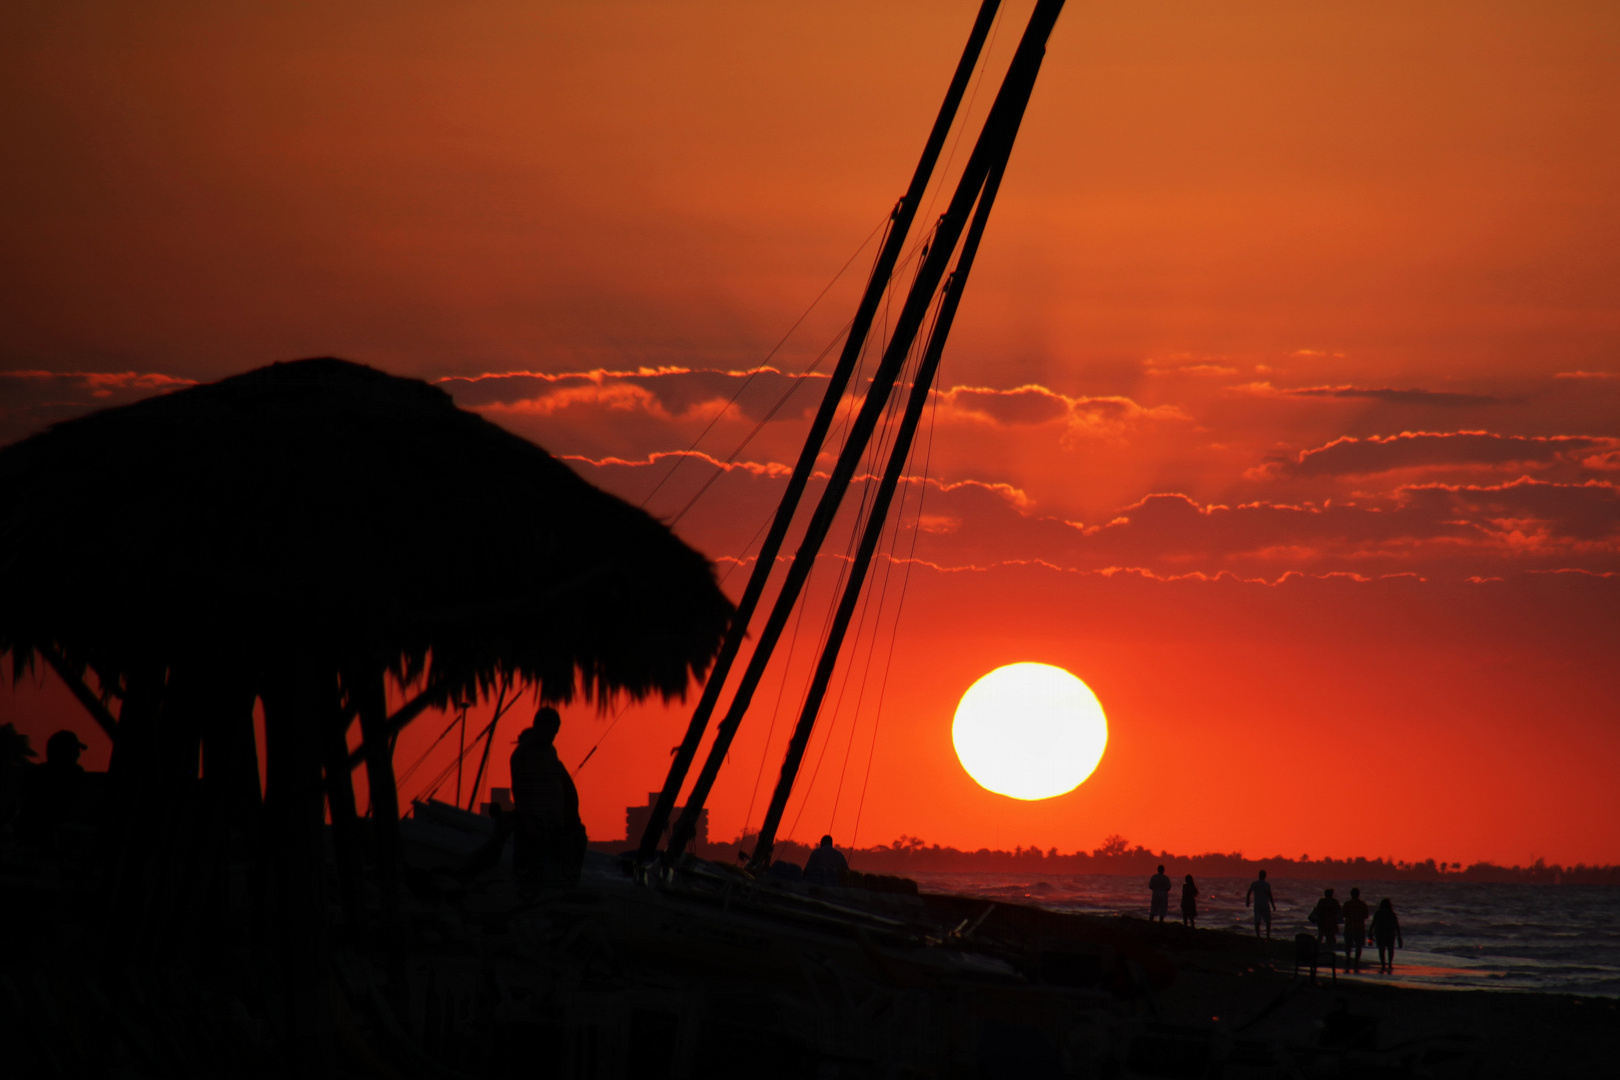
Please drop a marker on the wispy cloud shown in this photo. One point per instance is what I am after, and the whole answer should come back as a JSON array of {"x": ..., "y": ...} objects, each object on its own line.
[
  {"x": 1350, "y": 456},
  {"x": 671, "y": 392},
  {"x": 1033, "y": 404},
  {"x": 1389, "y": 395},
  {"x": 30, "y": 400}
]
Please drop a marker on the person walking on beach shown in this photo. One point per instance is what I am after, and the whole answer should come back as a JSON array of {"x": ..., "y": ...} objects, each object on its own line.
[
  {"x": 1189, "y": 902},
  {"x": 1326, "y": 917},
  {"x": 1264, "y": 904},
  {"x": 1159, "y": 888},
  {"x": 1386, "y": 932},
  {"x": 1355, "y": 913}
]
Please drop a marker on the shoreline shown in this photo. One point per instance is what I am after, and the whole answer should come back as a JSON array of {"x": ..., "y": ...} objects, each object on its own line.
[{"x": 1236, "y": 987}]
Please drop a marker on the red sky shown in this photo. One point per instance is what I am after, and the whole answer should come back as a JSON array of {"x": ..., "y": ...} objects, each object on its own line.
[{"x": 1283, "y": 406}]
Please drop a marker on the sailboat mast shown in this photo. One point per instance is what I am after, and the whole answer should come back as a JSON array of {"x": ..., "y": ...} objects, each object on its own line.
[
  {"x": 951, "y": 296},
  {"x": 899, "y": 226},
  {"x": 992, "y": 147}
]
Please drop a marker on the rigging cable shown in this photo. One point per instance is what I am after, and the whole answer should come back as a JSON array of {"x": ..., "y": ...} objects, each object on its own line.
[
  {"x": 839, "y": 435},
  {"x": 836, "y": 437},
  {"x": 776, "y": 712},
  {"x": 625, "y": 704},
  {"x": 878, "y": 449},
  {"x": 905, "y": 583},
  {"x": 882, "y": 227},
  {"x": 877, "y": 633},
  {"x": 921, "y": 247}
]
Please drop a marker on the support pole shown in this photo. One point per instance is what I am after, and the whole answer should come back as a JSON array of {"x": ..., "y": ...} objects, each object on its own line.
[
  {"x": 489, "y": 741},
  {"x": 882, "y": 270}
]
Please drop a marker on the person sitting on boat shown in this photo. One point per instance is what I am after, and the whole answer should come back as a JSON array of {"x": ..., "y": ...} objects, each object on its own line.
[
  {"x": 548, "y": 845},
  {"x": 824, "y": 863},
  {"x": 1159, "y": 888}
]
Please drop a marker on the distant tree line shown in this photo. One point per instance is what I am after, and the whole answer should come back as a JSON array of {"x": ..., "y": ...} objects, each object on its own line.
[{"x": 1116, "y": 855}]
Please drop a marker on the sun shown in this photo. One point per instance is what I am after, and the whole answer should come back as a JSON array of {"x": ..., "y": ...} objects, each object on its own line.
[{"x": 1030, "y": 731}]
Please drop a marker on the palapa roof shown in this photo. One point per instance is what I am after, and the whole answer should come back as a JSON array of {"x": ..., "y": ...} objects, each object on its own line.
[{"x": 323, "y": 508}]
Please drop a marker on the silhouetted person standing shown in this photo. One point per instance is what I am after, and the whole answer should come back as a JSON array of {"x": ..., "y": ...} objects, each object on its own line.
[
  {"x": 824, "y": 863},
  {"x": 549, "y": 841},
  {"x": 54, "y": 789},
  {"x": 1386, "y": 933},
  {"x": 1264, "y": 904},
  {"x": 1189, "y": 902},
  {"x": 1355, "y": 929},
  {"x": 1326, "y": 917},
  {"x": 1159, "y": 889}
]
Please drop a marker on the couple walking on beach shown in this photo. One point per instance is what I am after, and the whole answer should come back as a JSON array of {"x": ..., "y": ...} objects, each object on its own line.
[
  {"x": 1159, "y": 889},
  {"x": 1385, "y": 927}
]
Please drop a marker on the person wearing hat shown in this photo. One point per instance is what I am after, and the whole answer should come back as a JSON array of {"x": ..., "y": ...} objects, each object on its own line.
[
  {"x": 53, "y": 792},
  {"x": 548, "y": 845}
]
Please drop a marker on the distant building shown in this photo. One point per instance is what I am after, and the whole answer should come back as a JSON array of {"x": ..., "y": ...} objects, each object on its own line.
[{"x": 636, "y": 818}]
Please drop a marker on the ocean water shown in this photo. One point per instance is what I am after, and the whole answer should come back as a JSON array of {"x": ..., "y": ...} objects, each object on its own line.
[{"x": 1554, "y": 938}]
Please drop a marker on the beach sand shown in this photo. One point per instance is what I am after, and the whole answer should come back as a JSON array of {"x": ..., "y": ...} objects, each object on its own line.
[
  {"x": 606, "y": 959},
  {"x": 1240, "y": 989}
]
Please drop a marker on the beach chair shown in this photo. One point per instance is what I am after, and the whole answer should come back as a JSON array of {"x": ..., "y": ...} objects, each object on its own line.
[{"x": 1309, "y": 952}]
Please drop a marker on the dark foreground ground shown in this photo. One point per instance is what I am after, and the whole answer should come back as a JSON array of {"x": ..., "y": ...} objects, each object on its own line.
[
  {"x": 1244, "y": 991},
  {"x": 711, "y": 975}
]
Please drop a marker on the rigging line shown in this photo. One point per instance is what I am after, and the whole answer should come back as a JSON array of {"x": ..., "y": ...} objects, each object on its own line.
[
  {"x": 487, "y": 733},
  {"x": 489, "y": 741},
  {"x": 905, "y": 584},
  {"x": 883, "y": 227},
  {"x": 776, "y": 712},
  {"x": 843, "y": 425},
  {"x": 889, "y": 430},
  {"x": 871, "y": 651},
  {"x": 838, "y": 704},
  {"x": 879, "y": 448},
  {"x": 592, "y": 752},
  {"x": 741, "y": 558},
  {"x": 455, "y": 763},
  {"x": 837, "y": 434},
  {"x": 894, "y": 629},
  {"x": 758, "y": 427},
  {"x": 967, "y": 113},
  {"x": 877, "y": 625},
  {"x": 406, "y": 775}
]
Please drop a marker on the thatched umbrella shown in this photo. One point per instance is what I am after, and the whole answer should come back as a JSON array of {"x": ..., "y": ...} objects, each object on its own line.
[
  {"x": 326, "y": 507},
  {"x": 293, "y": 533}
]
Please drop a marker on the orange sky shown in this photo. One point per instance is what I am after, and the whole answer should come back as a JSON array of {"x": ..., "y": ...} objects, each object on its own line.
[{"x": 1283, "y": 406}]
